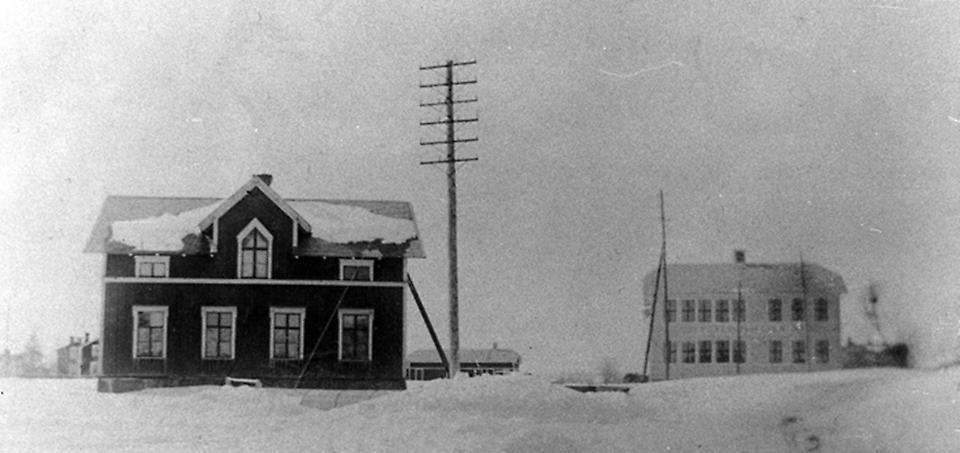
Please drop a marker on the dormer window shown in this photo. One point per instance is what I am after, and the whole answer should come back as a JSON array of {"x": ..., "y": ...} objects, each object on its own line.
[
  {"x": 254, "y": 249},
  {"x": 356, "y": 270},
  {"x": 152, "y": 266}
]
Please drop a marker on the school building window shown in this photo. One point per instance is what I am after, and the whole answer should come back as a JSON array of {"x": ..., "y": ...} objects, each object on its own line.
[
  {"x": 776, "y": 351},
  {"x": 706, "y": 351},
  {"x": 152, "y": 266},
  {"x": 722, "y": 313},
  {"x": 797, "y": 310},
  {"x": 689, "y": 311},
  {"x": 356, "y": 270},
  {"x": 253, "y": 254},
  {"x": 689, "y": 352},
  {"x": 799, "y": 352},
  {"x": 706, "y": 311},
  {"x": 820, "y": 310},
  {"x": 723, "y": 351},
  {"x": 671, "y": 310},
  {"x": 774, "y": 310},
  {"x": 671, "y": 351}
]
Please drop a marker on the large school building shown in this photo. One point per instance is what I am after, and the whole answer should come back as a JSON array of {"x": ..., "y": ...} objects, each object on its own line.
[{"x": 739, "y": 317}]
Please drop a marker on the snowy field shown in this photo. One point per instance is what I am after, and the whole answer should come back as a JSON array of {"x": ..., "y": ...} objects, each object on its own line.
[{"x": 847, "y": 411}]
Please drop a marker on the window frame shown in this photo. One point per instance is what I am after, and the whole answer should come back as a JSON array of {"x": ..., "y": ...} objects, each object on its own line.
[
  {"x": 775, "y": 353},
  {"x": 153, "y": 260},
  {"x": 689, "y": 351},
  {"x": 233, "y": 331},
  {"x": 704, "y": 310},
  {"x": 775, "y": 310},
  {"x": 135, "y": 310},
  {"x": 254, "y": 224},
  {"x": 705, "y": 354},
  {"x": 670, "y": 310},
  {"x": 721, "y": 311},
  {"x": 689, "y": 311},
  {"x": 821, "y": 351},
  {"x": 821, "y": 310},
  {"x": 302, "y": 311},
  {"x": 671, "y": 351},
  {"x": 723, "y": 351},
  {"x": 799, "y": 354},
  {"x": 369, "y": 312},
  {"x": 739, "y": 351},
  {"x": 354, "y": 262},
  {"x": 798, "y": 310}
]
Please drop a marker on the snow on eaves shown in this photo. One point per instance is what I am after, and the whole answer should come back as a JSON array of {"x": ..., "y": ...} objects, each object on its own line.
[
  {"x": 345, "y": 224},
  {"x": 163, "y": 233}
]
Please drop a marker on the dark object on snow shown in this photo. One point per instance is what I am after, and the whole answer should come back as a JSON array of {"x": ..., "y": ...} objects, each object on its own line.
[
  {"x": 633, "y": 378},
  {"x": 867, "y": 356},
  {"x": 584, "y": 388}
]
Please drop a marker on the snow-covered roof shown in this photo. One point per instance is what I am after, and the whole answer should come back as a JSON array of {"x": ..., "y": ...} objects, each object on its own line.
[
  {"x": 761, "y": 278},
  {"x": 482, "y": 356},
  {"x": 340, "y": 228}
]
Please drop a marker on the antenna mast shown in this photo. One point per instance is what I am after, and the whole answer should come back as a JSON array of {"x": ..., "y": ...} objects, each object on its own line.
[{"x": 450, "y": 121}]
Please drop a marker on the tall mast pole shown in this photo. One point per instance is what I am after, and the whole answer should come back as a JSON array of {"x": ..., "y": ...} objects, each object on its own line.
[
  {"x": 663, "y": 260},
  {"x": 451, "y": 160}
]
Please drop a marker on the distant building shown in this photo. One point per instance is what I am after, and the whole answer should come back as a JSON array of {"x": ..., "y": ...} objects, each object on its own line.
[
  {"x": 290, "y": 292},
  {"x": 790, "y": 319},
  {"x": 90, "y": 358},
  {"x": 425, "y": 364},
  {"x": 68, "y": 358}
]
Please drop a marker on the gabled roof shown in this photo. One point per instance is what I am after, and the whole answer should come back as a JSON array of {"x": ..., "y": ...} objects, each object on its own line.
[
  {"x": 340, "y": 228},
  {"x": 691, "y": 279},
  {"x": 254, "y": 182},
  {"x": 467, "y": 356}
]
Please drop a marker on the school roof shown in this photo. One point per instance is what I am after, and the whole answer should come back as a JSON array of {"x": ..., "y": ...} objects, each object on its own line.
[
  {"x": 336, "y": 228},
  {"x": 767, "y": 278},
  {"x": 480, "y": 356}
]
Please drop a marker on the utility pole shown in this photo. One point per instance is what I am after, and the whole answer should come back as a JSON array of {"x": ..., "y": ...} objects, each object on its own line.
[
  {"x": 450, "y": 121},
  {"x": 663, "y": 262}
]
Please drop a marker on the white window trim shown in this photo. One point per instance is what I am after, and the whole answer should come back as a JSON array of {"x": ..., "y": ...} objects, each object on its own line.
[
  {"x": 146, "y": 308},
  {"x": 344, "y": 262},
  {"x": 303, "y": 321},
  {"x": 139, "y": 259},
  {"x": 355, "y": 311},
  {"x": 203, "y": 331},
  {"x": 254, "y": 225}
]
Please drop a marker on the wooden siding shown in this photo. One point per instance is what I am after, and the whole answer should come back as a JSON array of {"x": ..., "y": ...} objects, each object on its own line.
[{"x": 252, "y": 355}]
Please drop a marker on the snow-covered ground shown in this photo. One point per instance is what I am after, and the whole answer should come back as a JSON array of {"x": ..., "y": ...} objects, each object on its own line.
[{"x": 846, "y": 411}]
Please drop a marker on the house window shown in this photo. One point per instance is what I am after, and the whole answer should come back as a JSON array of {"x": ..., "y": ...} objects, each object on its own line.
[
  {"x": 739, "y": 311},
  {"x": 671, "y": 310},
  {"x": 356, "y": 270},
  {"x": 775, "y": 310},
  {"x": 152, "y": 266},
  {"x": 797, "y": 310},
  {"x": 254, "y": 249},
  {"x": 219, "y": 332},
  {"x": 689, "y": 352},
  {"x": 822, "y": 352},
  {"x": 723, "y": 351},
  {"x": 723, "y": 311},
  {"x": 739, "y": 351},
  {"x": 776, "y": 351},
  {"x": 150, "y": 332},
  {"x": 286, "y": 333},
  {"x": 671, "y": 352},
  {"x": 820, "y": 311},
  {"x": 706, "y": 351},
  {"x": 356, "y": 334},
  {"x": 799, "y": 352},
  {"x": 689, "y": 315},
  {"x": 706, "y": 311}
]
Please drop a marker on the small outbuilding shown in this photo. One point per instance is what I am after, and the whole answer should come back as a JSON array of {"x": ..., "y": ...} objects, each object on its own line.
[{"x": 425, "y": 364}]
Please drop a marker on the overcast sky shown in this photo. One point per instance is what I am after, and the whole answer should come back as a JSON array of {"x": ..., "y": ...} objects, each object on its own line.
[{"x": 827, "y": 129}]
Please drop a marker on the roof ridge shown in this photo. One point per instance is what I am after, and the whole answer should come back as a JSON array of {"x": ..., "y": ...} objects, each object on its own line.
[
  {"x": 368, "y": 200},
  {"x": 160, "y": 197}
]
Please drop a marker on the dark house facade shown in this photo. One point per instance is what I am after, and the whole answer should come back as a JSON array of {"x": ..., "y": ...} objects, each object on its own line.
[
  {"x": 425, "y": 364},
  {"x": 292, "y": 292}
]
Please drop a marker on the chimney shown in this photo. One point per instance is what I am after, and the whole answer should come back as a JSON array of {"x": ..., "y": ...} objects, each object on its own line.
[
  {"x": 266, "y": 178},
  {"x": 740, "y": 256}
]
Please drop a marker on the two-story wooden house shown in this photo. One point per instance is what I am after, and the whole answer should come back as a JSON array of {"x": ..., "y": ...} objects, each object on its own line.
[{"x": 292, "y": 292}]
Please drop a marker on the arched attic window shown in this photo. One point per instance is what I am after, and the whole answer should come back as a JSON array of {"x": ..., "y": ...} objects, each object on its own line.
[{"x": 254, "y": 251}]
